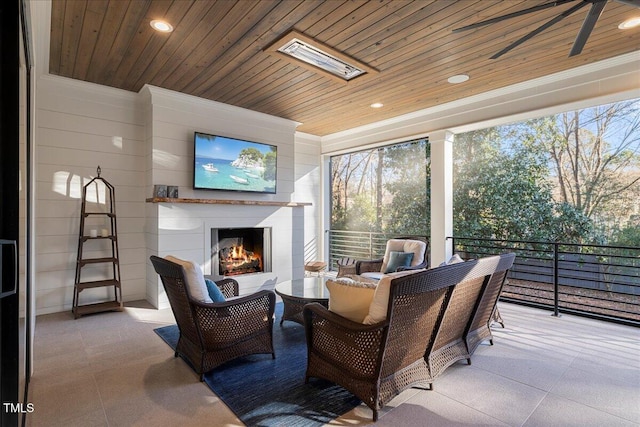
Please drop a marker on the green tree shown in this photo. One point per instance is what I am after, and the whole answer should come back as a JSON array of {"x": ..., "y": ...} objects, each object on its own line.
[
  {"x": 594, "y": 158},
  {"x": 269, "y": 166},
  {"x": 362, "y": 214},
  {"x": 345, "y": 169},
  {"x": 383, "y": 189},
  {"x": 251, "y": 154},
  {"x": 408, "y": 172},
  {"x": 504, "y": 193},
  {"x": 628, "y": 234}
]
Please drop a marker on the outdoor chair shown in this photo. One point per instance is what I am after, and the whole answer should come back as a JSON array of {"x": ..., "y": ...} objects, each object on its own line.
[
  {"x": 392, "y": 261},
  {"x": 214, "y": 333}
]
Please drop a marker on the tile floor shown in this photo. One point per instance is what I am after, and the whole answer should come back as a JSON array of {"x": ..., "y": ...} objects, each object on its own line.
[{"x": 111, "y": 369}]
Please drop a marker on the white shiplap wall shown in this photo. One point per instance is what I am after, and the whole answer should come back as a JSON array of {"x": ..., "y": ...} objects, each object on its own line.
[
  {"x": 78, "y": 127},
  {"x": 144, "y": 139}
]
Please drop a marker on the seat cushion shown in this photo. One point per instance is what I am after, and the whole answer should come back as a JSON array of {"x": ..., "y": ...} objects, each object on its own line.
[
  {"x": 373, "y": 275},
  {"x": 214, "y": 291},
  {"x": 398, "y": 259},
  {"x": 194, "y": 279},
  {"x": 350, "y": 298},
  {"x": 380, "y": 303}
]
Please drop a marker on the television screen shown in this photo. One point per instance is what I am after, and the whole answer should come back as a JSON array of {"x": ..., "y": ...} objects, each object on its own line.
[{"x": 222, "y": 163}]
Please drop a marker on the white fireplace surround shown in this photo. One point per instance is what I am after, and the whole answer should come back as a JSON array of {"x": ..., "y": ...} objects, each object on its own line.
[
  {"x": 182, "y": 227},
  {"x": 184, "y": 231},
  {"x": 282, "y": 250}
]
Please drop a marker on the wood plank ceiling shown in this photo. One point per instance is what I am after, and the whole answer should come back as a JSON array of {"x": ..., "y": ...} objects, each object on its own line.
[{"x": 217, "y": 51}]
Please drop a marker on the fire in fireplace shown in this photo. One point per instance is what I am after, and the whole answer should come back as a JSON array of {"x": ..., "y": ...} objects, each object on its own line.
[{"x": 239, "y": 251}]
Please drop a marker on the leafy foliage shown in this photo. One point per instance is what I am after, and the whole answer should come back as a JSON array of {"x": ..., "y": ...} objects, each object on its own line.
[
  {"x": 499, "y": 194},
  {"x": 251, "y": 154},
  {"x": 573, "y": 177},
  {"x": 382, "y": 190},
  {"x": 567, "y": 178},
  {"x": 270, "y": 166}
]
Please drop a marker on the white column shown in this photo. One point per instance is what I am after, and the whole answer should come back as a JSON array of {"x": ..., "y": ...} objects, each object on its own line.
[{"x": 441, "y": 195}]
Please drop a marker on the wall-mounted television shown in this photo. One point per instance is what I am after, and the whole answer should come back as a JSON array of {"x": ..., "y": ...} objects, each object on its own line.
[{"x": 230, "y": 164}]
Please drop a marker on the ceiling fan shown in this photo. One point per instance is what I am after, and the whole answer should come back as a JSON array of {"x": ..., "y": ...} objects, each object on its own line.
[{"x": 587, "y": 26}]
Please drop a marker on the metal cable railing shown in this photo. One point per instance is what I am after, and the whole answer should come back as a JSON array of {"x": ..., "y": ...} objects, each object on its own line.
[
  {"x": 598, "y": 281},
  {"x": 359, "y": 245}
]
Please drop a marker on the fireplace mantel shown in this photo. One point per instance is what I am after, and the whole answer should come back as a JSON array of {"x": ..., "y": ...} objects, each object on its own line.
[{"x": 228, "y": 202}]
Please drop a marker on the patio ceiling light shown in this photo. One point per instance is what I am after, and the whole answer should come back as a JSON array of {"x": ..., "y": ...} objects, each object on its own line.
[
  {"x": 162, "y": 26},
  {"x": 630, "y": 23},
  {"x": 458, "y": 78},
  {"x": 313, "y": 55}
]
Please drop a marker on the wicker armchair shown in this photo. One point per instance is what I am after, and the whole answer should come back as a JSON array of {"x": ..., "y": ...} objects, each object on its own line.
[
  {"x": 214, "y": 333},
  {"x": 377, "y": 266},
  {"x": 426, "y": 319}
]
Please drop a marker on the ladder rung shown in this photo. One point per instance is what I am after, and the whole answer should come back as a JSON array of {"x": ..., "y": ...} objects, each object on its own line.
[
  {"x": 97, "y": 284},
  {"x": 96, "y": 260},
  {"x": 109, "y": 214},
  {"x": 85, "y": 238},
  {"x": 97, "y": 308}
]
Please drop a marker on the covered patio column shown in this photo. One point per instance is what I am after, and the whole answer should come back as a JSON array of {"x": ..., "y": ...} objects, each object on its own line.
[{"x": 441, "y": 195}]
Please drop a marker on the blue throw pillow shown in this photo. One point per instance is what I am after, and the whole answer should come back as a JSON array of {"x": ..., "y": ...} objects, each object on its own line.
[
  {"x": 214, "y": 291},
  {"x": 398, "y": 259}
]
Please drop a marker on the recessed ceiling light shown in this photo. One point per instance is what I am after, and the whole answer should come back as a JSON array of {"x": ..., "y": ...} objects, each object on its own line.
[
  {"x": 377, "y": 105},
  {"x": 630, "y": 23},
  {"x": 161, "y": 26},
  {"x": 458, "y": 78}
]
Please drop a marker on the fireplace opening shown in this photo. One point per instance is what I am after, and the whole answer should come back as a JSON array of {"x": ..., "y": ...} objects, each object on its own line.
[{"x": 237, "y": 251}]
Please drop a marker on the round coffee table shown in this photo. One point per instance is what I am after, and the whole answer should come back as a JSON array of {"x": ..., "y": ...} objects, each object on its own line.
[{"x": 296, "y": 293}]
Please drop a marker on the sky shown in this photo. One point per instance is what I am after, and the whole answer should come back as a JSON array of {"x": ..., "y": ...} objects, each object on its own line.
[{"x": 220, "y": 147}]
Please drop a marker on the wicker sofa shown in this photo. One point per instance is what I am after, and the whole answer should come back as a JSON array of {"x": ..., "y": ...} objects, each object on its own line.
[{"x": 434, "y": 318}]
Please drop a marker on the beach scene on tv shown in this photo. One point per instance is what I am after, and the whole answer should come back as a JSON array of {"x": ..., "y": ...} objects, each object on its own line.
[{"x": 223, "y": 163}]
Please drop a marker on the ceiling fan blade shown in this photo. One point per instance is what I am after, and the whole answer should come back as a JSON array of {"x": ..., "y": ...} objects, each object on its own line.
[
  {"x": 513, "y": 15},
  {"x": 635, "y": 3},
  {"x": 587, "y": 27},
  {"x": 541, "y": 29}
]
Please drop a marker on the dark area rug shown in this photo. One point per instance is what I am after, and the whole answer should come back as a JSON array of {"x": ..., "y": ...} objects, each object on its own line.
[{"x": 266, "y": 392}]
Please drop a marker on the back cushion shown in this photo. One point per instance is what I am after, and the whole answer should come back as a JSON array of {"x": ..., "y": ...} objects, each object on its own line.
[
  {"x": 350, "y": 298},
  {"x": 380, "y": 303},
  {"x": 194, "y": 279},
  {"x": 398, "y": 259}
]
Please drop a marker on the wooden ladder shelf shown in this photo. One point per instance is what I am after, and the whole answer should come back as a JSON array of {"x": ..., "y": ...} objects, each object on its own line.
[{"x": 107, "y": 234}]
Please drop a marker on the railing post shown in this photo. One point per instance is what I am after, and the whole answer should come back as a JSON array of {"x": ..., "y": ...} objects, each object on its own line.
[{"x": 556, "y": 288}]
